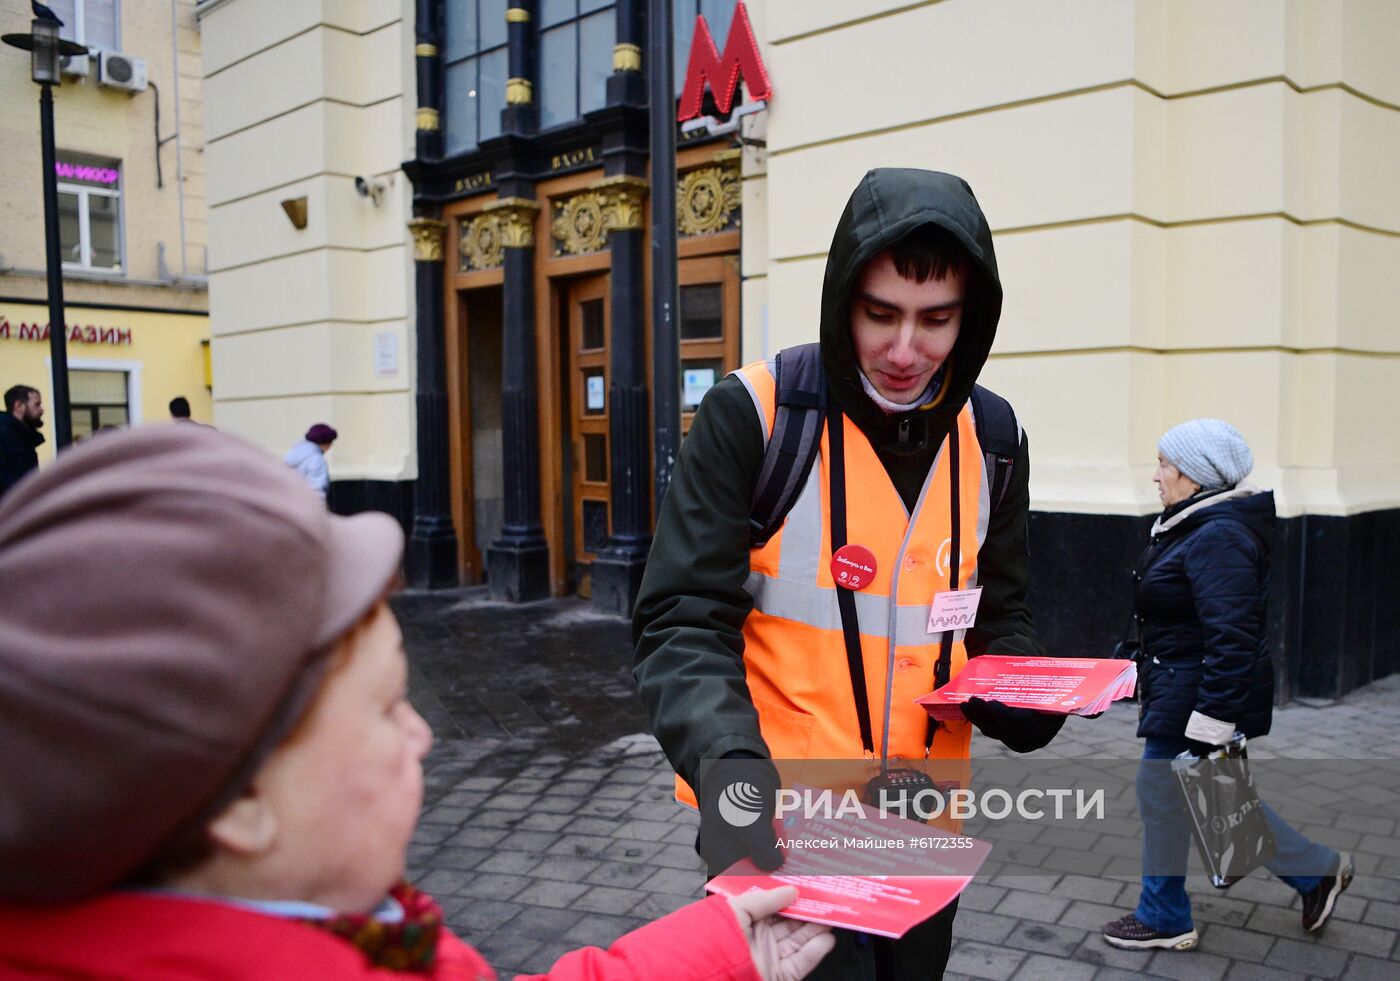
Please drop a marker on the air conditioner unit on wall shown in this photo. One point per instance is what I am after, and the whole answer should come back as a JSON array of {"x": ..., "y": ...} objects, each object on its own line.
[
  {"x": 76, "y": 64},
  {"x": 119, "y": 71}
]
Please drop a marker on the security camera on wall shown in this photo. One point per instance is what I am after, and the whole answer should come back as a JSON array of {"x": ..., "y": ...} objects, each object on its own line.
[{"x": 371, "y": 187}]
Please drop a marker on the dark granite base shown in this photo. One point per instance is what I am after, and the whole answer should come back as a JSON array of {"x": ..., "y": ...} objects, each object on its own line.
[
  {"x": 518, "y": 573},
  {"x": 393, "y": 497}
]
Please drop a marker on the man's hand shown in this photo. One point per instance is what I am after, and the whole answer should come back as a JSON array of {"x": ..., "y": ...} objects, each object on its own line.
[
  {"x": 782, "y": 949},
  {"x": 737, "y": 799},
  {"x": 1021, "y": 730}
]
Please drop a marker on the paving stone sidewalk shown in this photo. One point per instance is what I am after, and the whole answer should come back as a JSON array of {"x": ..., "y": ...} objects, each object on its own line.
[{"x": 548, "y": 821}]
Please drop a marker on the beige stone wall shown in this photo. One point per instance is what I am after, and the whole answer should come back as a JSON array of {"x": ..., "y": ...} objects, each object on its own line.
[
  {"x": 112, "y": 123},
  {"x": 303, "y": 96},
  {"x": 1194, "y": 203}
]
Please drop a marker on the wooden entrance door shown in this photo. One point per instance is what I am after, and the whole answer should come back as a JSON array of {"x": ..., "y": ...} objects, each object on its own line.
[
  {"x": 709, "y": 326},
  {"x": 587, "y": 335}
]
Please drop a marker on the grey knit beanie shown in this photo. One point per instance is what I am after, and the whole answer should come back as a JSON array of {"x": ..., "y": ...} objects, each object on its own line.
[{"x": 1209, "y": 451}]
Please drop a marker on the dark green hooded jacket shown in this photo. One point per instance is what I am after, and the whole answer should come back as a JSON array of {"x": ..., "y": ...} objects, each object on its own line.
[{"x": 689, "y": 617}]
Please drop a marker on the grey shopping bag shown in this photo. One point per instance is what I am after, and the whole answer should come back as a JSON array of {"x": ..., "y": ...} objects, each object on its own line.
[{"x": 1227, "y": 817}]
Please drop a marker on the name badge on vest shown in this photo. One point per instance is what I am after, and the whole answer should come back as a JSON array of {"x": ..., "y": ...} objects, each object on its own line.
[
  {"x": 853, "y": 566},
  {"x": 954, "y": 609}
]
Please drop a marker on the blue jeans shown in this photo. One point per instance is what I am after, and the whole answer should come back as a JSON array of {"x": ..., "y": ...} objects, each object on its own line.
[{"x": 1166, "y": 839}]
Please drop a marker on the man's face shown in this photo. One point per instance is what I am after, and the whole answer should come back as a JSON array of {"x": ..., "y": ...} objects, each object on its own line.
[
  {"x": 31, "y": 413},
  {"x": 903, "y": 330},
  {"x": 347, "y": 787}
]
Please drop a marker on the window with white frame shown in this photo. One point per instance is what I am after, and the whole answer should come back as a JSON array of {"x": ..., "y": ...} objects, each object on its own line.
[
  {"x": 99, "y": 399},
  {"x": 95, "y": 23},
  {"x": 89, "y": 212}
]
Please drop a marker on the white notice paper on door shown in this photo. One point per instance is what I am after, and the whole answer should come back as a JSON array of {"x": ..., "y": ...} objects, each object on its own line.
[
  {"x": 698, "y": 381},
  {"x": 597, "y": 398}
]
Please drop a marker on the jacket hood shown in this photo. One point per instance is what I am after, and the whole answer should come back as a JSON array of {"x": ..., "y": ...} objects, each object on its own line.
[
  {"x": 886, "y": 206},
  {"x": 1245, "y": 503}
]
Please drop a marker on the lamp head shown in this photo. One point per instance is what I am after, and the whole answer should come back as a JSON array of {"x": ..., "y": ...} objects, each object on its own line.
[
  {"x": 46, "y": 49},
  {"x": 44, "y": 65}
]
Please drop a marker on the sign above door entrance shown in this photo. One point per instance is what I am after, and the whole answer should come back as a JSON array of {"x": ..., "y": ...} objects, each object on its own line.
[{"x": 741, "y": 59}]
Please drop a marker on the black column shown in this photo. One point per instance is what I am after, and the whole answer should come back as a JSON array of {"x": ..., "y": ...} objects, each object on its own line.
[
  {"x": 627, "y": 85},
  {"x": 431, "y": 558},
  {"x": 520, "y": 115},
  {"x": 428, "y": 63},
  {"x": 617, "y": 571},
  {"x": 518, "y": 562}
]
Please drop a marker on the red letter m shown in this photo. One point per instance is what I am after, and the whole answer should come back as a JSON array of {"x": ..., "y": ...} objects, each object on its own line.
[{"x": 740, "y": 57}]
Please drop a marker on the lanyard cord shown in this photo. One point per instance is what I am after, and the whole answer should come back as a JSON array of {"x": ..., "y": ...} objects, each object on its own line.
[
  {"x": 945, "y": 653},
  {"x": 845, "y": 598}
]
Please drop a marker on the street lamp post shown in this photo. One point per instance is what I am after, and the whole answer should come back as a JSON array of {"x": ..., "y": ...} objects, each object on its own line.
[{"x": 46, "y": 48}]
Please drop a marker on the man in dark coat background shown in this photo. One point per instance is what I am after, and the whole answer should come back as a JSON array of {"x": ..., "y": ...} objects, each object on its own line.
[{"x": 20, "y": 438}]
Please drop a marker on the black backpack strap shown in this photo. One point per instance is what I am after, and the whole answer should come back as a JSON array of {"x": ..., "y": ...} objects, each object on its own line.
[
  {"x": 793, "y": 444},
  {"x": 1000, "y": 436}
]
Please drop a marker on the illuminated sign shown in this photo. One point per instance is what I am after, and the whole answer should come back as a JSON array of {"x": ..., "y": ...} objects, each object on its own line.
[
  {"x": 105, "y": 176},
  {"x": 741, "y": 58}
]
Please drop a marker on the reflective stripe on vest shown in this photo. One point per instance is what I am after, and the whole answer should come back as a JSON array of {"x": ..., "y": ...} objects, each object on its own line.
[{"x": 795, "y": 654}]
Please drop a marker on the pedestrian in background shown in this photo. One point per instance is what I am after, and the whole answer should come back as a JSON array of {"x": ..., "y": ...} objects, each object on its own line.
[
  {"x": 20, "y": 438},
  {"x": 308, "y": 457},
  {"x": 208, "y": 764},
  {"x": 1200, "y": 593}
]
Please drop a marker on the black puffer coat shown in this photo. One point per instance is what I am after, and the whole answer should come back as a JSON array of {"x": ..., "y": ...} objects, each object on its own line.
[{"x": 1201, "y": 588}]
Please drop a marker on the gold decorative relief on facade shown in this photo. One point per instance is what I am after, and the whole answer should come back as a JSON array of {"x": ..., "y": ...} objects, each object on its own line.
[
  {"x": 623, "y": 199},
  {"x": 427, "y": 118},
  {"x": 578, "y": 226},
  {"x": 425, "y": 50},
  {"x": 479, "y": 244},
  {"x": 519, "y": 92},
  {"x": 627, "y": 58},
  {"x": 707, "y": 200},
  {"x": 505, "y": 224},
  {"x": 517, "y": 15},
  {"x": 516, "y": 218},
  {"x": 427, "y": 239}
]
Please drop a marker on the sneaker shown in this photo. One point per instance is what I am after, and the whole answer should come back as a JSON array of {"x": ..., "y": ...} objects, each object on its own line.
[
  {"x": 1130, "y": 933},
  {"x": 1317, "y": 905}
]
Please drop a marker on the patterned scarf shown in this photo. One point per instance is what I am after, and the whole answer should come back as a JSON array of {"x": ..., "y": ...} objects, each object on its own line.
[{"x": 409, "y": 944}]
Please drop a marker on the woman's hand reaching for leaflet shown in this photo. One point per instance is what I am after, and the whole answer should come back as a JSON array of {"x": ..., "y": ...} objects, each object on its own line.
[{"x": 782, "y": 949}]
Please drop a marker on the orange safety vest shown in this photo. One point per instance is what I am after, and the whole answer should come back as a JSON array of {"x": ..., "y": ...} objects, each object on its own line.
[{"x": 794, "y": 649}]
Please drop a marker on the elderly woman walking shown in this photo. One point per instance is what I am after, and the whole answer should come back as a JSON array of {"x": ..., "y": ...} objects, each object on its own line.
[{"x": 1200, "y": 592}]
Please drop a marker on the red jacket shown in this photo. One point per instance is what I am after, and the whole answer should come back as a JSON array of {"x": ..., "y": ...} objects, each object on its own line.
[{"x": 141, "y": 937}]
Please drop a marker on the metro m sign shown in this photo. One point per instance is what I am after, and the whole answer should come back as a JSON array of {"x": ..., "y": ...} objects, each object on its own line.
[{"x": 741, "y": 57}]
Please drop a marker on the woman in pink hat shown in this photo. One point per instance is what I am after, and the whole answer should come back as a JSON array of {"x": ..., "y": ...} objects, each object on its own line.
[{"x": 208, "y": 765}]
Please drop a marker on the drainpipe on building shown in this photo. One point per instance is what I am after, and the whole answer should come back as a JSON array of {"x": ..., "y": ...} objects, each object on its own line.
[{"x": 179, "y": 146}]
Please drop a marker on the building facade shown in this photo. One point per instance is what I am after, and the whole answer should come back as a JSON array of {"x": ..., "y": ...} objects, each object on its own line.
[
  {"x": 129, "y": 140},
  {"x": 1192, "y": 202}
]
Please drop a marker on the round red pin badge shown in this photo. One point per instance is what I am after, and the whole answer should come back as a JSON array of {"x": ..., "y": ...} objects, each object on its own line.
[{"x": 853, "y": 566}]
